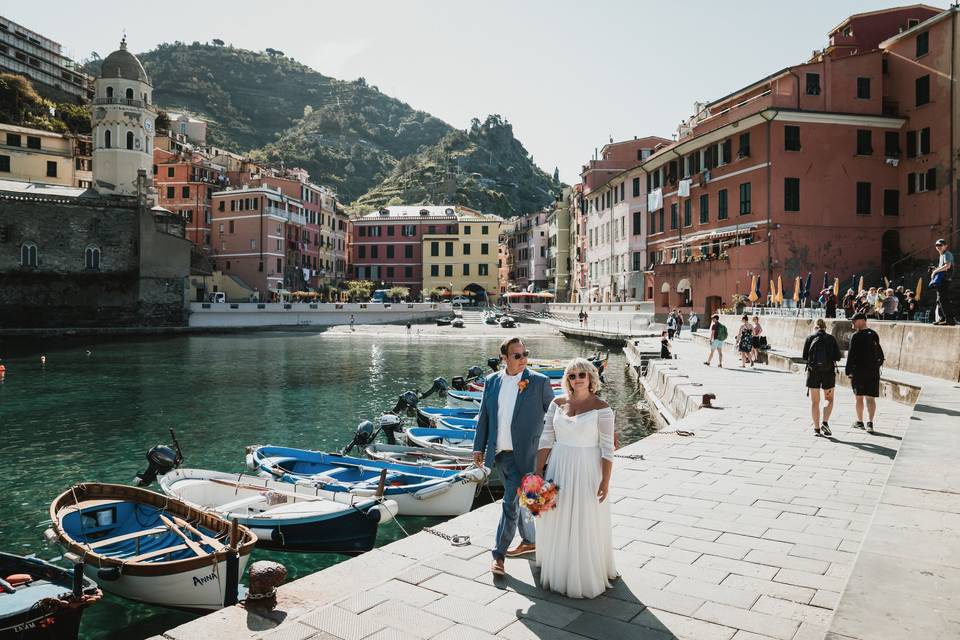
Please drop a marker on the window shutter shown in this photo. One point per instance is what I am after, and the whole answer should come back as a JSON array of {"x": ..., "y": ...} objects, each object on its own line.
[
  {"x": 911, "y": 144},
  {"x": 932, "y": 179},
  {"x": 911, "y": 183}
]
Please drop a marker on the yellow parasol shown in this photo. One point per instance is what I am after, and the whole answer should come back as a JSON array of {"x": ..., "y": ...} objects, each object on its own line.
[
  {"x": 753, "y": 289},
  {"x": 796, "y": 290},
  {"x": 779, "y": 290},
  {"x": 916, "y": 294},
  {"x": 886, "y": 282},
  {"x": 836, "y": 287},
  {"x": 860, "y": 286}
]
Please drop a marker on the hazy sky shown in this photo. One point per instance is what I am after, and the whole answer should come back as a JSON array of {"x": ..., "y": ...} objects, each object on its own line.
[{"x": 567, "y": 75}]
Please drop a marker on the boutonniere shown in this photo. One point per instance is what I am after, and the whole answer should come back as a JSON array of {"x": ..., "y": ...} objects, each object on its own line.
[{"x": 522, "y": 385}]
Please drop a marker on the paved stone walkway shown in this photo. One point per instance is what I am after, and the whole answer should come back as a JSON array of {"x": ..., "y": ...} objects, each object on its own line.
[{"x": 747, "y": 530}]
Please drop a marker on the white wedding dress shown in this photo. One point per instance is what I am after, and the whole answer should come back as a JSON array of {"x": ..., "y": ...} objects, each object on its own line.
[{"x": 575, "y": 539}]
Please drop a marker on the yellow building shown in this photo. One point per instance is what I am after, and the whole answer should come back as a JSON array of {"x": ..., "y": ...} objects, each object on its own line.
[
  {"x": 464, "y": 262},
  {"x": 34, "y": 155}
]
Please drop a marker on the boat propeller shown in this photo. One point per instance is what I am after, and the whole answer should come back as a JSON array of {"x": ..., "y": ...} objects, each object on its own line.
[
  {"x": 407, "y": 401},
  {"x": 439, "y": 387},
  {"x": 494, "y": 363},
  {"x": 161, "y": 459}
]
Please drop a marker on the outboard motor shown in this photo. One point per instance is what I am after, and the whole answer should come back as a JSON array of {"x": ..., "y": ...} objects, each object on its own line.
[
  {"x": 439, "y": 387},
  {"x": 459, "y": 383},
  {"x": 407, "y": 402},
  {"x": 494, "y": 363},
  {"x": 391, "y": 425},
  {"x": 363, "y": 436},
  {"x": 161, "y": 460},
  {"x": 475, "y": 372}
]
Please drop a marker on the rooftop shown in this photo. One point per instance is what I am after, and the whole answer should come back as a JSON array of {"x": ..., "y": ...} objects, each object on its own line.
[
  {"x": 47, "y": 190},
  {"x": 421, "y": 212}
]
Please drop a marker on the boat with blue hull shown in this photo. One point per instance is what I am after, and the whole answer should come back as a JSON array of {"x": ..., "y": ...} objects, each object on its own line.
[
  {"x": 458, "y": 442},
  {"x": 430, "y": 416},
  {"x": 284, "y": 517},
  {"x": 41, "y": 601},
  {"x": 457, "y": 423},
  {"x": 152, "y": 548},
  {"x": 418, "y": 491}
]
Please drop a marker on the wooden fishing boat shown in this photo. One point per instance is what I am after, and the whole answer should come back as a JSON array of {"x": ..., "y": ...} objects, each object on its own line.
[
  {"x": 284, "y": 517},
  {"x": 41, "y": 601},
  {"x": 150, "y": 547},
  {"x": 418, "y": 491},
  {"x": 430, "y": 416}
]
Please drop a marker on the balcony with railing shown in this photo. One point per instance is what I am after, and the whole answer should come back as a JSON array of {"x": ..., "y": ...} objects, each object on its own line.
[{"x": 127, "y": 102}]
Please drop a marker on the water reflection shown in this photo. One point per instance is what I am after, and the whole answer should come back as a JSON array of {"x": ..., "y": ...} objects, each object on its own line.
[{"x": 92, "y": 418}]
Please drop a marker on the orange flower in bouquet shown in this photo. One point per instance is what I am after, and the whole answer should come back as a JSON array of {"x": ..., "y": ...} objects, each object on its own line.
[{"x": 537, "y": 495}]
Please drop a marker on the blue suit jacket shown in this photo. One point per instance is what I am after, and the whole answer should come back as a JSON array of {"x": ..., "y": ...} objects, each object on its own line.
[{"x": 527, "y": 425}]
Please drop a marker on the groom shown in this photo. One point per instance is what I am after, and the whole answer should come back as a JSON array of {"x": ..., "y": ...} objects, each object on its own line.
[{"x": 509, "y": 424}]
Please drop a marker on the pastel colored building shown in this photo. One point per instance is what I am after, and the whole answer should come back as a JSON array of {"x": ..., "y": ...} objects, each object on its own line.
[
  {"x": 387, "y": 247},
  {"x": 185, "y": 182},
  {"x": 28, "y": 53},
  {"x": 613, "y": 221},
  {"x": 835, "y": 165},
  {"x": 34, "y": 155}
]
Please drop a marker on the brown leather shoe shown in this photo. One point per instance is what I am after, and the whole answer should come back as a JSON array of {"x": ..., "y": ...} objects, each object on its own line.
[
  {"x": 497, "y": 568},
  {"x": 521, "y": 549}
]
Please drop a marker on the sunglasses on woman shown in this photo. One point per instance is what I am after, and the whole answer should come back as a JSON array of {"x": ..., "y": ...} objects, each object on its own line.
[
  {"x": 574, "y": 376},
  {"x": 525, "y": 354}
]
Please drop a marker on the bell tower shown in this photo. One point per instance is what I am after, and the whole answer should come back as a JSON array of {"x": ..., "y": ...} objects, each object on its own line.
[{"x": 123, "y": 125}]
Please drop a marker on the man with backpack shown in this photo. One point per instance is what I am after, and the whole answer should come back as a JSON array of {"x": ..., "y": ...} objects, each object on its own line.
[
  {"x": 864, "y": 360},
  {"x": 718, "y": 333},
  {"x": 821, "y": 352}
]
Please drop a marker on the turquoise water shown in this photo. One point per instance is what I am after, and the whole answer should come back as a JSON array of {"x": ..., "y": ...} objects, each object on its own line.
[{"x": 92, "y": 417}]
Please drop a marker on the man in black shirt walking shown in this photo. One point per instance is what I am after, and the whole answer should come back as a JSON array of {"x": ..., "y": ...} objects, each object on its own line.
[
  {"x": 864, "y": 360},
  {"x": 821, "y": 352}
]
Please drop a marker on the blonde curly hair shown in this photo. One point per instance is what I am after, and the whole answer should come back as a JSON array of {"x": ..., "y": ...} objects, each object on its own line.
[{"x": 576, "y": 366}]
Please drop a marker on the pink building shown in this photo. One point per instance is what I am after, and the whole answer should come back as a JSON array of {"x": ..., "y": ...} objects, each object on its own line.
[{"x": 827, "y": 166}]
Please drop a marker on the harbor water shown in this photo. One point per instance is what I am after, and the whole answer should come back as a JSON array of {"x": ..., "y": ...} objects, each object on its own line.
[{"x": 93, "y": 409}]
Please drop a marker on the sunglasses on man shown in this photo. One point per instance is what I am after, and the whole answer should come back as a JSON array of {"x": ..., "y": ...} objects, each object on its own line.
[
  {"x": 518, "y": 356},
  {"x": 574, "y": 376}
]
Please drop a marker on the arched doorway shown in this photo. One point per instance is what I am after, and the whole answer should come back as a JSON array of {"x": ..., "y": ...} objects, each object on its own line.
[
  {"x": 476, "y": 293},
  {"x": 889, "y": 251},
  {"x": 684, "y": 289},
  {"x": 665, "y": 294}
]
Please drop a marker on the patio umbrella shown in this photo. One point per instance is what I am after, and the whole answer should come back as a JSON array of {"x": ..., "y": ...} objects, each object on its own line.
[
  {"x": 886, "y": 282},
  {"x": 779, "y": 299},
  {"x": 753, "y": 289},
  {"x": 853, "y": 282},
  {"x": 860, "y": 286},
  {"x": 806, "y": 288},
  {"x": 919, "y": 289},
  {"x": 826, "y": 281},
  {"x": 759, "y": 292},
  {"x": 836, "y": 287},
  {"x": 796, "y": 289}
]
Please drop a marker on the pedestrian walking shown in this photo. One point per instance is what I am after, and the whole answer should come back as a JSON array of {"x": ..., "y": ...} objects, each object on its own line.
[
  {"x": 679, "y": 323},
  {"x": 864, "y": 360},
  {"x": 665, "y": 346},
  {"x": 352, "y": 322},
  {"x": 940, "y": 280},
  {"x": 694, "y": 322},
  {"x": 757, "y": 332},
  {"x": 580, "y": 315},
  {"x": 745, "y": 342},
  {"x": 671, "y": 324},
  {"x": 718, "y": 333},
  {"x": 821, "y": 353}
]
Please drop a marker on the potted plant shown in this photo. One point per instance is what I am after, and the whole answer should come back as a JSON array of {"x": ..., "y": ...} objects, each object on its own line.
[{"x": 739, "y": 302}]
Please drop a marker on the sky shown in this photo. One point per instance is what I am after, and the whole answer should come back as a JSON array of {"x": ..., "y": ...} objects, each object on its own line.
[{"x": 567, "y": 75}]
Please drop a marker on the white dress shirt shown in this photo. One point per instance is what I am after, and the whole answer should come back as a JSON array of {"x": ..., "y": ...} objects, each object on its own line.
[{"x": 506, "y": 401}]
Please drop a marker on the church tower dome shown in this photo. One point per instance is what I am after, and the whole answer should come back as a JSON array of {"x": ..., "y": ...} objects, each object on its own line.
[{"x": 123, "y": 125}]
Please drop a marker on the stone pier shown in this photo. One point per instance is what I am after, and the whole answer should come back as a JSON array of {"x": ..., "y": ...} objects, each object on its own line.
[{"x": 749, "y": 529}]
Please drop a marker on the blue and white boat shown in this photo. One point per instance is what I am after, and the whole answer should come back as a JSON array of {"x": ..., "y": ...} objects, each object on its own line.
[
  {"x": 430, "y": 416},
  {"x": 457, "y": 423},
  {"x": 152, "y": 548},
  {"x": 284, "y": 517},
  {"x": 418, "y": 491},
  {"x": 476, "y": 396},
  {"x": 457, "y": 442}
]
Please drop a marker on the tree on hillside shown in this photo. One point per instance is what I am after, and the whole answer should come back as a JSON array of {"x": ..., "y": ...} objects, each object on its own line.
[
  {"x": 556, "y": 174},
  {"x": 217, "y": 42}
]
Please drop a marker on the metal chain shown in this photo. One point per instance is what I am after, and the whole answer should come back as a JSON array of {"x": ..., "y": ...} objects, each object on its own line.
[
  {"x": 455, "y": 540},
  {"x": 633, "y": 456}
]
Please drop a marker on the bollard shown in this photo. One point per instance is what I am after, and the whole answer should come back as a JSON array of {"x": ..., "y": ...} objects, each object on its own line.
[
  {"x": 264, "y": 577},
  {"x": 705, "y": 401}
]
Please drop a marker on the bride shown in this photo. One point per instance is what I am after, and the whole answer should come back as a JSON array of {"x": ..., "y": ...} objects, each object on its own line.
[{"x": 575, "y": 540}]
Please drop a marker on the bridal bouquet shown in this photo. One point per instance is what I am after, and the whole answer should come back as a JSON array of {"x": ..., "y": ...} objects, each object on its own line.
[{"x": 537, "y": 495}]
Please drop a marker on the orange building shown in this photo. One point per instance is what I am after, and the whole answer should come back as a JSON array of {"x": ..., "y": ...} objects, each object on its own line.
[{"x": 185, "y": 181}]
